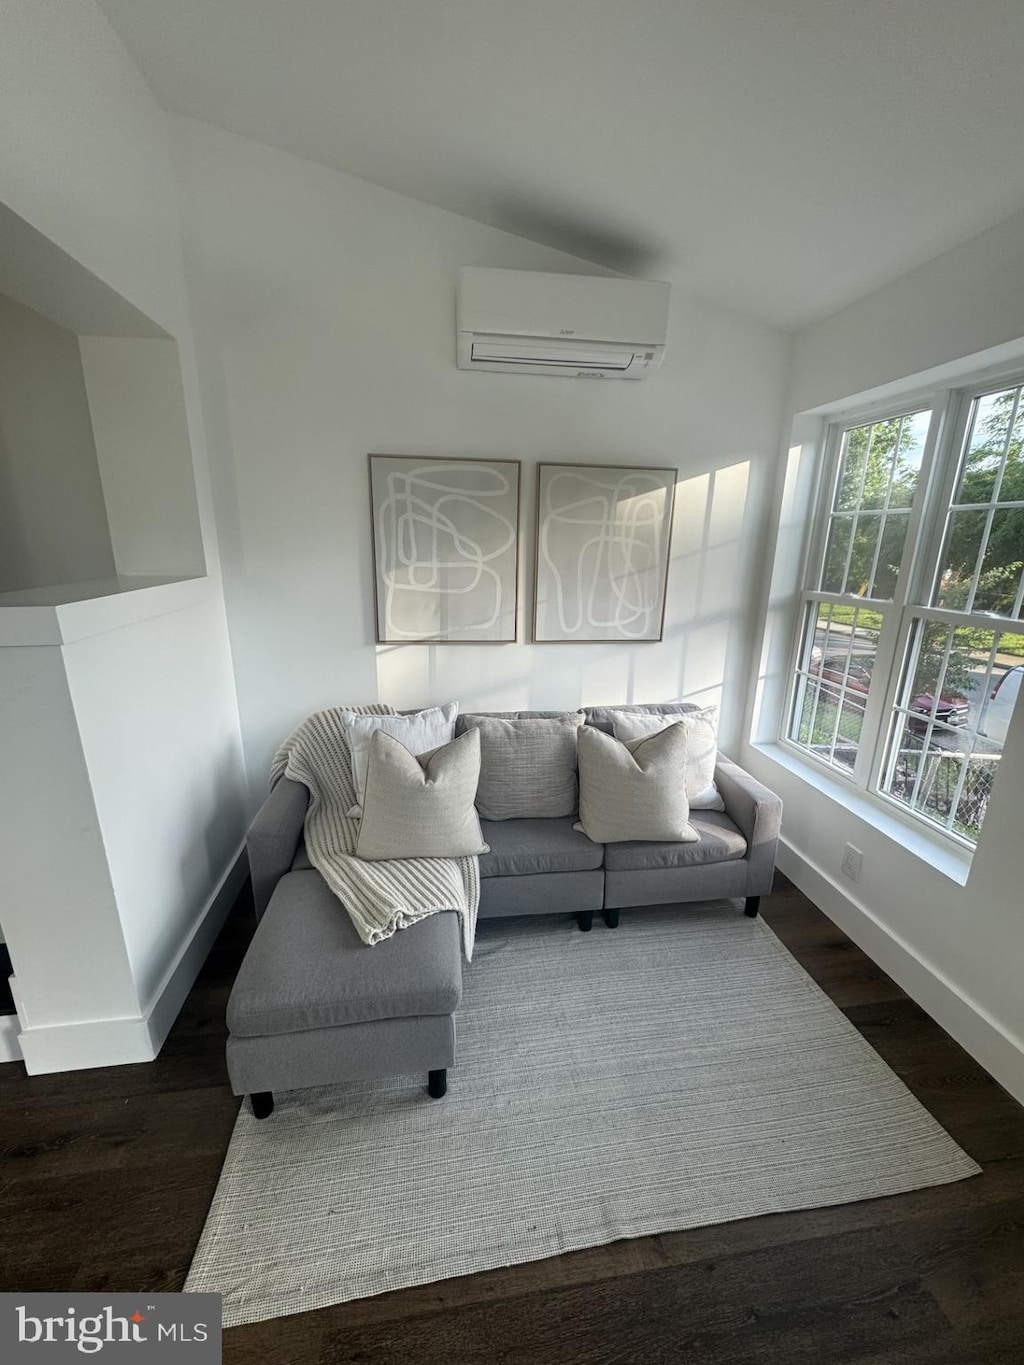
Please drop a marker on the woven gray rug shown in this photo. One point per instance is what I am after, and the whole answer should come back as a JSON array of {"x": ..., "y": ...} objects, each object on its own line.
[{"x": 678, "y": 1071}]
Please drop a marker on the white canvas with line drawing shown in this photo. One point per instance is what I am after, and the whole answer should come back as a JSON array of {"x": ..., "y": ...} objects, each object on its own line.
[
  {"x": 603, "y": 540},
  {"x": 445, "y": 540}
]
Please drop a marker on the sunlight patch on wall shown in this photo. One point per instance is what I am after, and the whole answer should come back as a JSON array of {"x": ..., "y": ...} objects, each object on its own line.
[{"x": 802, "y": 463}]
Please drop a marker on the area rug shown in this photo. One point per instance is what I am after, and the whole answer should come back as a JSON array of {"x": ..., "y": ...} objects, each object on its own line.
[{"x": 677, "y": 1071}]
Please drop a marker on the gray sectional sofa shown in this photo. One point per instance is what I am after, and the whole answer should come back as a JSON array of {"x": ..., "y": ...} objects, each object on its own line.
[
  {"x": 312, "y": 1005},
  {"x": 538, "y": 867}
]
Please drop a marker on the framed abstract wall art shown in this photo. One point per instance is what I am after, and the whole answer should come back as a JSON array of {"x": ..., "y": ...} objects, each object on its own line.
[
  {"x": 603, "y": 538},
  {"x": 445, "y": 549}
]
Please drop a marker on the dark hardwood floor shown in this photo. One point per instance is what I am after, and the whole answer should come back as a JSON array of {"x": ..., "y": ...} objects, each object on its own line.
[{"x": 107, "y": 1176}]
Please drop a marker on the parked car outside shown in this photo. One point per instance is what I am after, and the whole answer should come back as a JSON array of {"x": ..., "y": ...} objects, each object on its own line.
[
  {"x": 856, "y": 677},
  {"x": 952, "y": 709},
  {"x": 996, "y": 719}
]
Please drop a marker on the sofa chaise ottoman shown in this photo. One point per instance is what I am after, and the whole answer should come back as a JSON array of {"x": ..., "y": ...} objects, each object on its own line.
[{"x": 313, "y": 1005}]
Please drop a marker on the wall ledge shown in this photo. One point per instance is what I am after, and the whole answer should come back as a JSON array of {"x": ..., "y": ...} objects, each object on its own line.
[{"x": 66, "y": 612}]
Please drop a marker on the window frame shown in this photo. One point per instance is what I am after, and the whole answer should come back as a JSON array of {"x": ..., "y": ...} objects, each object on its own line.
[{"x": 942, "y": 457}]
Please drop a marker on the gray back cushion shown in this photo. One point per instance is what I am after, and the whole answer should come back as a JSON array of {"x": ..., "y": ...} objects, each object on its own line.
[
  {"x": 527, "y": 766},
  {"x": 420, "y": 806},
  {"x": 600, "y": 717},
  {"x": 464, "y": 722}
]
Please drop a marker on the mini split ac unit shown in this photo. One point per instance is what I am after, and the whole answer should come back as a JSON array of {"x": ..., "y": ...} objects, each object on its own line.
[{"x": 583, "y": 326}]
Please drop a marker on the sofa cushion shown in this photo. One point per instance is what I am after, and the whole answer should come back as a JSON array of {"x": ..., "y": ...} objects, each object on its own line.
[
  {"x": 701, "y": 747},
  {"x": 421, "y": 805},
  {"x": 720, "y": 841},
  {"x": 419, "y": 731},
  {"x": 634, "y": 790},
  {"x": 307, "y": 968},
  {"x": 527, "y": 767},
  {"x": 464, "y": 721},
  {"x": 602, "y": 717},
  {"x": 526, "y": 846}
]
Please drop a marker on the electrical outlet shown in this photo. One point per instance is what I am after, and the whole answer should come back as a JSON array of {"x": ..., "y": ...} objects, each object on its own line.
[{"x": 852, "y": 859}]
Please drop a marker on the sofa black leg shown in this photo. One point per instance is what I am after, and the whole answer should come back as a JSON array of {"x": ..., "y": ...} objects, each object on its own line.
[
  {"x": 585, "y": 919},
  {"x": 751, "y": 907},
  {"x": 611, "y": 918},
  {"x": 262, "y": 1104},
  {"x": 437, "y": 1084}
]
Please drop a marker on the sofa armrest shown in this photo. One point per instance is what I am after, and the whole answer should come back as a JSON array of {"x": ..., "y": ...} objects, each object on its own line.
[
  {"x": 757, "y": 813},
  {"x": 273, "y": 838}
]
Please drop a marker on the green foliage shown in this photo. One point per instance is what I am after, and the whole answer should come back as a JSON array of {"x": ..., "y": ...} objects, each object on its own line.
[
  {"x": 932, "y": 655},
  {"x": 997, "y": 588},
  {"x": 879, "y": 469},
  {"x": 866, "y": 618},
  {"x": 1004, "y": 552}
]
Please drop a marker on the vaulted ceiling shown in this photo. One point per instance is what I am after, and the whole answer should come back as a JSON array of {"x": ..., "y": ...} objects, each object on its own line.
[{"x": 782, "y": 157}]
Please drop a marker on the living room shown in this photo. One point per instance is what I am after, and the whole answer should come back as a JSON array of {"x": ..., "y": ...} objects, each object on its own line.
[{"x": 312, "y": 312}]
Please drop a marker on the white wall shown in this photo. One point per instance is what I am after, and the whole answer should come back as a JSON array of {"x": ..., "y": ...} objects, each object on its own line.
[
  {"x": 324, "y": 315},
  {"x": 84, "y": 158},
  {"x": 61, "y": 927},
  {"x": 53, "y": 521},
  {"x": 143, "y": 453},
  {"x": 165, "y": 787},
  {"x": 83, "y": 151},
  {"x": 967, "y": 300},
  {"x": 956, "y": 948}
]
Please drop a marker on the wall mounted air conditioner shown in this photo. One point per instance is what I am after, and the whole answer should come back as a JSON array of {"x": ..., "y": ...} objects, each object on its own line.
[{"x": 584, "y": 326}]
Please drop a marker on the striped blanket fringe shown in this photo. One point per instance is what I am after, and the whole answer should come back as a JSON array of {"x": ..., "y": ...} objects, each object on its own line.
[{"x": 380, "y": 897}]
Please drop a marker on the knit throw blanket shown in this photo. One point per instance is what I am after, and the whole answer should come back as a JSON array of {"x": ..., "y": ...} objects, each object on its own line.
[{"x": 380, "y": 897}]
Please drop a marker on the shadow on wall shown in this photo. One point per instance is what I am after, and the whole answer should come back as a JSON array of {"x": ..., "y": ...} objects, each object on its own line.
[
  {"x": 15, "y": 549},
  {"x": 706, "y": 637},
  {"x": 772, "y": 672}
]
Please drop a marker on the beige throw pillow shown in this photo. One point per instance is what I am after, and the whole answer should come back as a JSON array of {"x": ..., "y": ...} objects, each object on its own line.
[
  {"x": 420, "y": 806},
  {"x": 701, "y": 748},
  {"x": 634, "y": 790}
]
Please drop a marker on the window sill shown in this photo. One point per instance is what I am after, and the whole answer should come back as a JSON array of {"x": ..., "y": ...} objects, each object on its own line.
[{"x": 952, "y": 862}]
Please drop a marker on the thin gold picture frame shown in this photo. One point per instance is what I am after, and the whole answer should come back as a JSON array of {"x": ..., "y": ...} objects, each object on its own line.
[
  {"x": 381, "y": 636},
  {"x": 671, "y": 479}
]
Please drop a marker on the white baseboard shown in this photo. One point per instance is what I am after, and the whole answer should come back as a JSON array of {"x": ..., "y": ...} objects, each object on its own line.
[
  {"x": 169, "y": 997},
  {"x": 998, "y": 1051},
  {"x": 117, "y": 1042},
  {"x": 84, "y": 1044}
]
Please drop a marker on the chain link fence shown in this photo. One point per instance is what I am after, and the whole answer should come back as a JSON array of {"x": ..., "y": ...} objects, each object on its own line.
[{"x": 951, "y": 788}]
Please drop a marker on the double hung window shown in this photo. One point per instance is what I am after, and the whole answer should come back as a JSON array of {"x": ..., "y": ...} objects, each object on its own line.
[{"x": 911, "y": 614}]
